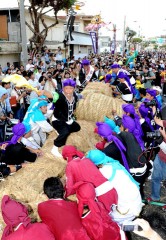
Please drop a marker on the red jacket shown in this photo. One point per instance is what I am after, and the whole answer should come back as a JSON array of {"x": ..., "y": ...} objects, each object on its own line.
[
  {"x": 63, "y": 219},
  {"x": 35, "y": 231},
  {"x": 84, "y": 170}
]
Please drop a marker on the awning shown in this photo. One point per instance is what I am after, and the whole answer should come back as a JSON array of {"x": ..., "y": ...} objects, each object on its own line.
[{"x": 81, "y": 39}]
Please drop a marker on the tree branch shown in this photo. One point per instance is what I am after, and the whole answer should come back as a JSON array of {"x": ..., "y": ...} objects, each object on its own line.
[{"x": 30, "y": 27}]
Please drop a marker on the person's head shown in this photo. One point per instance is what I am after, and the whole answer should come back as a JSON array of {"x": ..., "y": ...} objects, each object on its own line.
[
  {"x": 142, "y": 92},
  {"x": 53, "y": 188},
  {"x": 42, "y": 80},
  {"x": 31, "y": 75},
  {"x": 96, "y": 67},
  {"x": 115, "y": 68},
  {"x": 8, "y": 71},
  {"x": 13, "y": 214},
  {"x": 145, "y": 69},
  {"x": 68, "y": 87},
  {"x": 67, "y": 75},
  {"x": 21, "y": 68},
  {"x": 85, "y": 64},
  {"x": 151, "y": 94},
  {"x": 3, "y": 93},
  {"x": 128, "y": 109},
  {"x": 58, "y": 66},
  {"x": 12, "y": 67},
  {"x": 18, "y": 132},
  {"x": 30, "y": 61},
  {"x": 42, "y": 105},
  {"x": 69, "y": 152},
  {"x": 8, "y": 64},
  {"x": 121, "y": 76},
  {"x": 18, "y": 72},
  {"x": 85, "y": 193},
  {"x": 6, "y": 85},
  {"x": 39, "y": 69}
]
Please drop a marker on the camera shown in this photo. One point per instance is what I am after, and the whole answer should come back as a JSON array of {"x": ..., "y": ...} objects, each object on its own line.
[
  {"x": 151, "y": 103},
  {"x": 154, "y": 135},
  {"x": 49, "y": 76},
  {"x": 130, "y": 227}
]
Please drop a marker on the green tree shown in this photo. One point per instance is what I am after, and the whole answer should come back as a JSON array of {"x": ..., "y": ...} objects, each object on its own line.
[{"x": 37, "y": 10}]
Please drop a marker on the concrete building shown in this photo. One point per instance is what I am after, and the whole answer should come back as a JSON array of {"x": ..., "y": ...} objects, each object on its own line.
[{"x": 10, "y": 35}]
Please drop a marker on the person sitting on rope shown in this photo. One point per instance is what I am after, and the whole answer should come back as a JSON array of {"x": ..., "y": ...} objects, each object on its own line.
[
  {"x": 80, "y": 168},
  {"x": 129, "y": 199},
  {"x": 63, "y": 116},
  {"x": 94, "y": 216},
  {"x": 15, "y": 152}
]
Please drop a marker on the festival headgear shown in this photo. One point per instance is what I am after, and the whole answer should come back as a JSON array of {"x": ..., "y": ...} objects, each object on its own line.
[
  {"x": 121, "y": 75},
  {"x": 85, "y": 62},
  {"x": 152, "y": 92},
  {"x": 105, "y": 131},
  {"x": 115, "y": 65},
  {"x": 69, "y": 82},
  {"x": 129, "y": 108},
  {"x": 112, "y": 125},
  {"x": 144, "y": 111},
  {"x": 129, "y": 124},
  {"x": 108, "y": 77},
  {"x": 68, "y": 152},
  {"x": 2, "y": 91},
  {"x": 86, "y": 195},
  {"x": 126, "y": 77},
  {"x": 18, "y": 131},
  {"x": 34, "y": 111},
  {"x": 98, "y": 157},
  {"x": 13, "y": 214},
  {"x": 157, "y": 88}
]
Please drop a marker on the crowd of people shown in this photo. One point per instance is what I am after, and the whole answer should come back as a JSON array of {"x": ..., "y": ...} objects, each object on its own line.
[{"x": 108, "y": 180}]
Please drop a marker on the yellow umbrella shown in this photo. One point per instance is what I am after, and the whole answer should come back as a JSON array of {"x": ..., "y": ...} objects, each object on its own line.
[{"x": 19, "y": 81}]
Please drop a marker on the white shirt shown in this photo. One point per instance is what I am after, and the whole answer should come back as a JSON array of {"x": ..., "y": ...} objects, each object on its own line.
[
  {"x": 34, "y": 83},
  {"x": 29, "y": 67},
  {"x": 129, "y": 197}
]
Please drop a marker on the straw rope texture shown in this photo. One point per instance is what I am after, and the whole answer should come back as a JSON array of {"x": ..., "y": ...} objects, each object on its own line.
[{"x": 26, "y": 185}]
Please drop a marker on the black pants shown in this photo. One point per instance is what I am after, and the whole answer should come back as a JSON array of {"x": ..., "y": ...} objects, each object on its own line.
[
  {"x": 141, "y": 180},
  {"x": 64, "y": 131}
]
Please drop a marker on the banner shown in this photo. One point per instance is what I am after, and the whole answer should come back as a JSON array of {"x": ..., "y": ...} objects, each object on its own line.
[{"x": 94, "y": 41}]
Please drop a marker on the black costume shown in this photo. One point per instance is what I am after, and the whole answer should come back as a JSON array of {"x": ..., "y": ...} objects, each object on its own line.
[{"x": 63, "y": 119}]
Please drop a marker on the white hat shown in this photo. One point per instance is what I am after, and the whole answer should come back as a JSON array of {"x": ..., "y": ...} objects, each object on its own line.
[{"x": 157, "y": 88}]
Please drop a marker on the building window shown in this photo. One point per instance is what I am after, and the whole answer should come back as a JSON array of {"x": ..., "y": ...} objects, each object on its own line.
[{"x": 76, "y": 27}]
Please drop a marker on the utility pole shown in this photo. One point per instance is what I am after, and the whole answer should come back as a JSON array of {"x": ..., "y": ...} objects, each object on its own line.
[
  {"x": 124, "y": 33},
  {"x": 23, "y": 33}
]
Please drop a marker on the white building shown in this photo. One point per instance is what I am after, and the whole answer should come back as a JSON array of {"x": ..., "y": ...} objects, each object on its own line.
[{"x": 10, "y": 35}]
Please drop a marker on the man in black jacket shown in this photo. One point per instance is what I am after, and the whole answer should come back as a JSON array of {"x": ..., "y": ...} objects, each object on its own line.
[{"x": 63, "y": 119}]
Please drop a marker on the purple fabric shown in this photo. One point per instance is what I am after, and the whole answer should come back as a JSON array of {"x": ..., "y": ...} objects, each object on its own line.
[
  {"x": 129, "y": 108},
  {"x": 152, "y": 92},
  {"x": 85, "y": 62},
  {"x": 144, "y": 113},
  {"x": 126, "y": 77},
  {"x": 69, "y": 82},
  {"x": 129, "y": 124},
  {"x": 108, "y": 78},
  {"x": 18, "y": 131},
  {"x": 115, "y": 66},
  {"x": 105, "y": 131}
]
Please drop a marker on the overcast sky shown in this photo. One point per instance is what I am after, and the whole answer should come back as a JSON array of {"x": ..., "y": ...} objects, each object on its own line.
[{"x": 150, "y": 15}]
